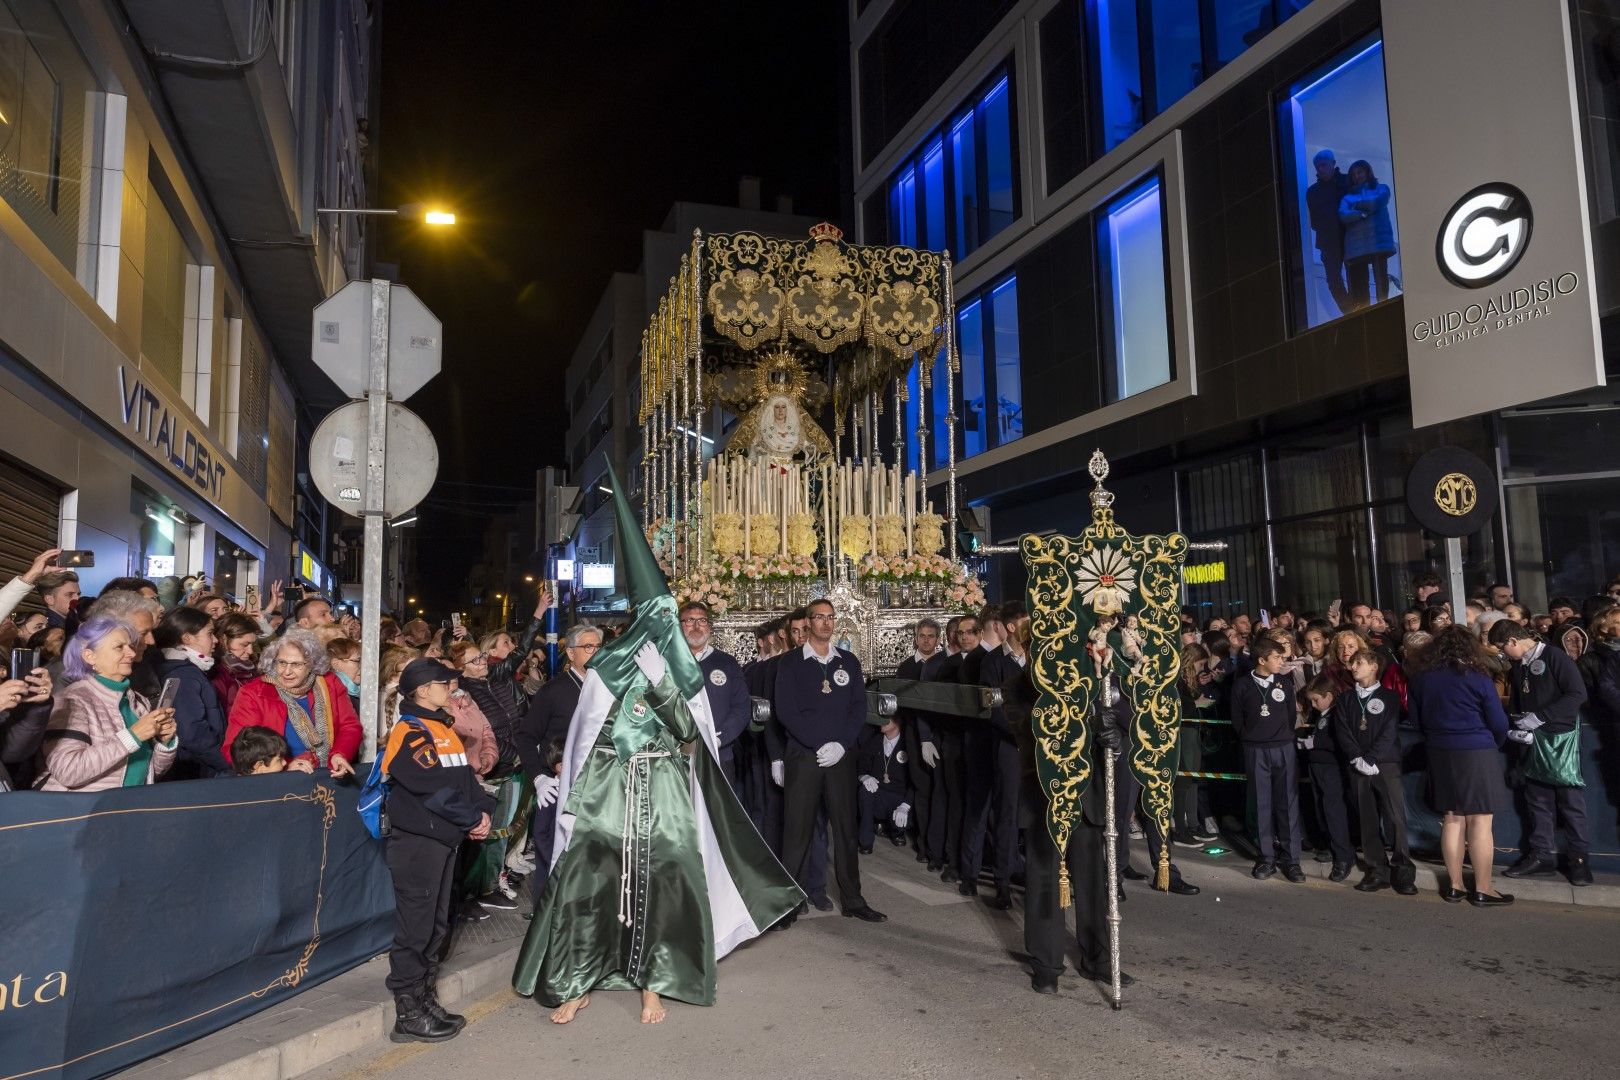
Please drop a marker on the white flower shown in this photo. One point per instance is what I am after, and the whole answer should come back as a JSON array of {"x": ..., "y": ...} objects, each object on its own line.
[{"x": 1106, "y": 579}]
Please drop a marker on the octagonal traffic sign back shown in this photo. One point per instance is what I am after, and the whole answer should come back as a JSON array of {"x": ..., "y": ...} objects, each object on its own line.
[{"x": 341, "y": 340}]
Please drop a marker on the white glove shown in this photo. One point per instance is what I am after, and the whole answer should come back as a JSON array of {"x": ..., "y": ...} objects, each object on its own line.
[
  {"x": 868, "y": 782},
  {"x": 1307, "y": 743},
  {"x": 902, "y": 814},
  {"x": 1524, "y": 737},
  {"x": 1528, "y": 722},
  {"x": 1363, "y": 768},
  {"x": 778, "y": 774},
  {"x": 650, "y": 663},
  {"x": 930, "y": 754},
  {"x": 830, "y": 754},
  {"x": 545, "y": 790}
]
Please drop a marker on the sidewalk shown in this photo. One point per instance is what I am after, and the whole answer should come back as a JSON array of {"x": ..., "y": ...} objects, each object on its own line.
[{"x": 354, "y": 1012}]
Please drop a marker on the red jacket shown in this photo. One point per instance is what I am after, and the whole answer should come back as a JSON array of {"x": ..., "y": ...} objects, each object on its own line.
[{"x": 259, "y": 704}]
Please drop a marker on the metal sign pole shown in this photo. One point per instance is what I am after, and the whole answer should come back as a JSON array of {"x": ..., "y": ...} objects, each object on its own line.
[
  {"x": 1454, "y": 573},
  {"x": 376, "y": 478}
]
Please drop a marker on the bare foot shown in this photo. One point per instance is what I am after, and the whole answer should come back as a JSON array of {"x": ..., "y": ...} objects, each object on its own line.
[
  {"x": 565, "y": 1012},
  {"x": 652, "y": 1010}
]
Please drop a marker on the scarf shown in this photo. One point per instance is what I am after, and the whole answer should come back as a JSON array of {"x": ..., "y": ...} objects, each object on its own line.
[
  {"x": 185, "y": 652},
  {"x": 348, "y": 684},
  {"x": 313, "y": 728},
  {"x": 139, "y": 763}
]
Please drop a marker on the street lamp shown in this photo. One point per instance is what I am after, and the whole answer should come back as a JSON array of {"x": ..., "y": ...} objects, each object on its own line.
[
  {"x": 427, "y": 215},
  {"x": 528, "y": 577}
]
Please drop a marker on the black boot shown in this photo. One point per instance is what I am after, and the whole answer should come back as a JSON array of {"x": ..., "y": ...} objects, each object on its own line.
[
  {"x": 430, "y": 1001},
  {"x": 1531, "y": 865},
  {"x": 413, "y": 1023},
  {"x": 1580, "y": 870}
]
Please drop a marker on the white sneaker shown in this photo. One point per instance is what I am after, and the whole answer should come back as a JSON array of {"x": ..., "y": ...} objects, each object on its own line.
[
  {"x": 1210, "y": 826},
  {"x": 521, "y": 862},
  {"x": 506, "y": 887}
]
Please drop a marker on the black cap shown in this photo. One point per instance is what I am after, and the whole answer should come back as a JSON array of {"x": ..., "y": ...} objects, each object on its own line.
[{"x": 418, "y": 673}]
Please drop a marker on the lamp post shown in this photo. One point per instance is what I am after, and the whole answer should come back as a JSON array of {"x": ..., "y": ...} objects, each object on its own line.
[{"x": 427, "y": 215}]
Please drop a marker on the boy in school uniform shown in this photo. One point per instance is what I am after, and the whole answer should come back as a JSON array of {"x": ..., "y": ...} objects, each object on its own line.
[
  {"x": 1329, "y": 784},
  {"x": 1263, "y": 716},
  {"x": 1365, "y": 721}
]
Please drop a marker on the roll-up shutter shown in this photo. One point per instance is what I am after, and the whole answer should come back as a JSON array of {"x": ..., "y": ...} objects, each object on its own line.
[{"x": 30, "y": 510}]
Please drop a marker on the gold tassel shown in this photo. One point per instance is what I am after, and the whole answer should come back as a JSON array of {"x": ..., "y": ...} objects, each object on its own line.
[
  {"x": 1162, "y": 881},
  {"x": 1065, "y": 894}
]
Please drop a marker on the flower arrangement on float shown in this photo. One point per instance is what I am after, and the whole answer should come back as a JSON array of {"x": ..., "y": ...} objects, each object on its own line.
[
  {"x": 705, "y": 585},
  {"x": 920, "y": 580}
]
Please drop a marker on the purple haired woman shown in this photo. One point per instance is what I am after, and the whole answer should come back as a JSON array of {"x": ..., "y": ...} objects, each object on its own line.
[{"x": 103, "y": 734}]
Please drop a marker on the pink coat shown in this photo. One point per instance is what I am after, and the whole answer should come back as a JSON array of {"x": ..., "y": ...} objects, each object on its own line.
[
  {"x": 87, "y": 746},
  {"x": 477, "y": 737}
]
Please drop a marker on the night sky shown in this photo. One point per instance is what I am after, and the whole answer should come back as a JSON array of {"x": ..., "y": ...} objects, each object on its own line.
[{"x": 557, "y": 133}]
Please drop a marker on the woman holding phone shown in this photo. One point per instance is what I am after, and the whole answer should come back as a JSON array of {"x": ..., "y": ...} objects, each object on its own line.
[
  {"x": 186, "y": 638},
  {"x": 102, "y": 734}
]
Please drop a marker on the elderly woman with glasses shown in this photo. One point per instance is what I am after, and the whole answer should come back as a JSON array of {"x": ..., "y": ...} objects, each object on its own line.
[
  {"x": 299, "y": 698},
  {"x": 103, "y": 734}
]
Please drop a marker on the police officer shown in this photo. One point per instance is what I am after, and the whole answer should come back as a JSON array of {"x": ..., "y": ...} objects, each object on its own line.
[
  {"x": 1545, "y": 699},
  {"x": 922, "y": 747},
  {"x": 725, "y": 686},
  {"x": 885, "y": 795},
  {"x": 820, "y": 701},
  {"x": 434, "y": 800}
]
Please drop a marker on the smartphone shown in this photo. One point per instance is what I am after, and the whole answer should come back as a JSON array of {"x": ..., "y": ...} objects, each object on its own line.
[
  {"x": 170, "y": 691},
  {"x": 293, "y": 594},
  {"x": 455, "y": 619},
  {"x": 76, "y": 558},
  {"x": 23, "y": 661}
]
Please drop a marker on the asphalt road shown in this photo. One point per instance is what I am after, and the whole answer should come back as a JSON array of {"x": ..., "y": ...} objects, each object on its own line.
[{"x": 1248, "y": 979}]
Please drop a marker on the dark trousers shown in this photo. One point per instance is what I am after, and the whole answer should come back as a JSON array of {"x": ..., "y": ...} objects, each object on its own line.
[
  {"x": 543, "y": 830},
  {"x": 1547, "y": 805},
  {"x": 811, "y": 788},
  {"x": 423, "y": 872},
  {"x": 922, "y": 794},
  {"x": 1383, "y": 797},
  {"x": 755, "y": 770},
  {"x": 815, "y": 879},
  {"x": 950, "y": 792},
  {"x": 1274, "y": 788},
  {"x": 1358, "y": 268},
  {"x": 1333, "y": 267},
  {"x": 1332, "y": 796},
  {"x": 1045, "y": 924},
  {"x": 876, "y": 806},
  {"x": 1127, "y": 792},
  {"x": 1191, "y": 747},
  {"x": 991, "y": 803}
]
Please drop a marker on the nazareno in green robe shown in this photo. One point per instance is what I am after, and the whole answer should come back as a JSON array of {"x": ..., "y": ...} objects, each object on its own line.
[{"x": 657, "y": 871}]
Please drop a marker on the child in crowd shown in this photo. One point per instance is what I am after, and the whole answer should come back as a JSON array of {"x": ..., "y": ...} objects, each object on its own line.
[
  {"x": 1365, "y": 721},
  {"x": 1328, "y": 781},
  {"x": 257, "y": 750},
  {"x": 1263, "y": 717}
]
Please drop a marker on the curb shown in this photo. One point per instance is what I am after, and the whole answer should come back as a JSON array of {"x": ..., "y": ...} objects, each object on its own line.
[{"x": 351, "y": 1012}]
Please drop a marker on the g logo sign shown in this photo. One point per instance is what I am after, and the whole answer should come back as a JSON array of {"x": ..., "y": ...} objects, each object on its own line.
[{"x": 1483, "y": 235}]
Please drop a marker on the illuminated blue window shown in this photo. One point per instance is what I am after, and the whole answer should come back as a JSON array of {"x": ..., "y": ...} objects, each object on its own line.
[
  {"x": 1239, "y": 24},
  {"x": 903, "y": 208},
  {"x": 970, "y": 333},
  {"x": 933, "y": 165},
  {"x": 1178, "y": 50},
  {"x": 938, "y": 405},
  {"x": 1000, "y": 179},
  {"x": 1136, "y": 316},
  {"x": 913, "y": 398},
  {"x": 1117, "y": 60},
  {"x": 1008, "y": 422}
]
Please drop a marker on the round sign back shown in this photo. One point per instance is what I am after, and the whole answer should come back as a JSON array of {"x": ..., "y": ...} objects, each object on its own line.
[{"x": 1451, "y": 492}]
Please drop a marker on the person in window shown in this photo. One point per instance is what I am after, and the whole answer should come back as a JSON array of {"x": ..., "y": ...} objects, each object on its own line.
[
  {"x": 1322, "y": 201},
  {"x": 302, "y": 701},
  {"x": 1369, "y": 234}
]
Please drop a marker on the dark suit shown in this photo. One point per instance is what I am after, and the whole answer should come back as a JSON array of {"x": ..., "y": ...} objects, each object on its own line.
[
  {"x": 893, "y": 776},
  {"x": 773, "y": 741},
  {"x": 992, "y": 779},
  {"x": 1550, "y": 685},
  {"x": 950, "y": 775},
  {"x": 918, "y": 728},
  {"x": 727, "y": 690},
  {"x": 547, "y": 718}
]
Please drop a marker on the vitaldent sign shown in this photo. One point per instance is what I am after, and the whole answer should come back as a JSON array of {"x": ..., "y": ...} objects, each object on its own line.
[
  {"x": 1496, "y": 245},
  {"x": 167, "y": 435}
]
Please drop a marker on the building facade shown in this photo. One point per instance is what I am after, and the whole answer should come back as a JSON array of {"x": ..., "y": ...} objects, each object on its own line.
[
  {"x": 160, "y": 253},
  {"x": 1147, "y": 261}
]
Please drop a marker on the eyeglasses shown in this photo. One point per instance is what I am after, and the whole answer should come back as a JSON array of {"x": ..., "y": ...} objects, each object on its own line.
[
  {"x": 695, "y": 622},
  {"x": 478, "y": 660},
  {"x": 584, "y": 648},
  {"x": 291, "y": 665},
  {"x": 821, "y": 616}
]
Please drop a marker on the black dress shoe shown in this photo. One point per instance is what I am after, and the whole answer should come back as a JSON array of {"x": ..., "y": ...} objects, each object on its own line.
[
  {"x": 1404, "y": 880},
  {"x": 1002, "y": 900},
  {"x": 948, "y": 874},
  {"x": 1452, "y": 896},
  {"x": 898, "y": 839},
  {"x": 1102, "y": 977},
  {"x": 1131, "y": 873},
  {"x": 933, "y": 866},
  {"x": 803, "y": 907},
  {"x": 821, "y": 902},
  {"x": 1043, "y": 984},
  {"x": 1322, "y": 856},
  {"x": 865, "y": 849},
  {"x": 1262, "y": 871},
  {"x": 1372, "y": 883},
  {"x": 1179, "y": 888},
  {"x": 784, "y": 923},
  {"x": 1339, "y": 872},
  {"x": 1293, "y": 873},
  {"x": 1122, "y": 896},
  {"x": 1531, "y": 865},
  {"x": 865, "y": 913},
  {"x": 922, "y": 857},
  {"x": 967, "y": 888},
  {"x": 1479, "y": 899},
  {"x": 1580, "y": 870}
]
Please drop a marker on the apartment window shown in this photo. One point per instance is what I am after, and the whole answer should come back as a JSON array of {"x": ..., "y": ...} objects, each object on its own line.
[
  {"x": 960, "y": 187},
  {"x": 1147, "y": 54},
  {"x": 1333, "y": 127},
  {"x": 50, "y": 120},
  {"x": 1135, "y": 293},
  {"x": 987, "y": 342}
]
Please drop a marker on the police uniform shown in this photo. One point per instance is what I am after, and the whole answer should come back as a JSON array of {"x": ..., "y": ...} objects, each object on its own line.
[
  {"x": 1365, "y": 725},
  {"x": 434, "y": 800},
  {"x": 1546, "y": 696},
  {"x": 992, "y": 779},
  {"x": 885, "y": 783},
  {"x": 820, "y": 700},
  {"x": 1263, "y": 717},
  {"x": 729, "y": 704},
  {"x": 918, "y": 727}
]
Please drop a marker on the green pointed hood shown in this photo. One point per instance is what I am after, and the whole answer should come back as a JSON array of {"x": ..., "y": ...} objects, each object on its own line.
[{"x": 654, "y": 616}]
